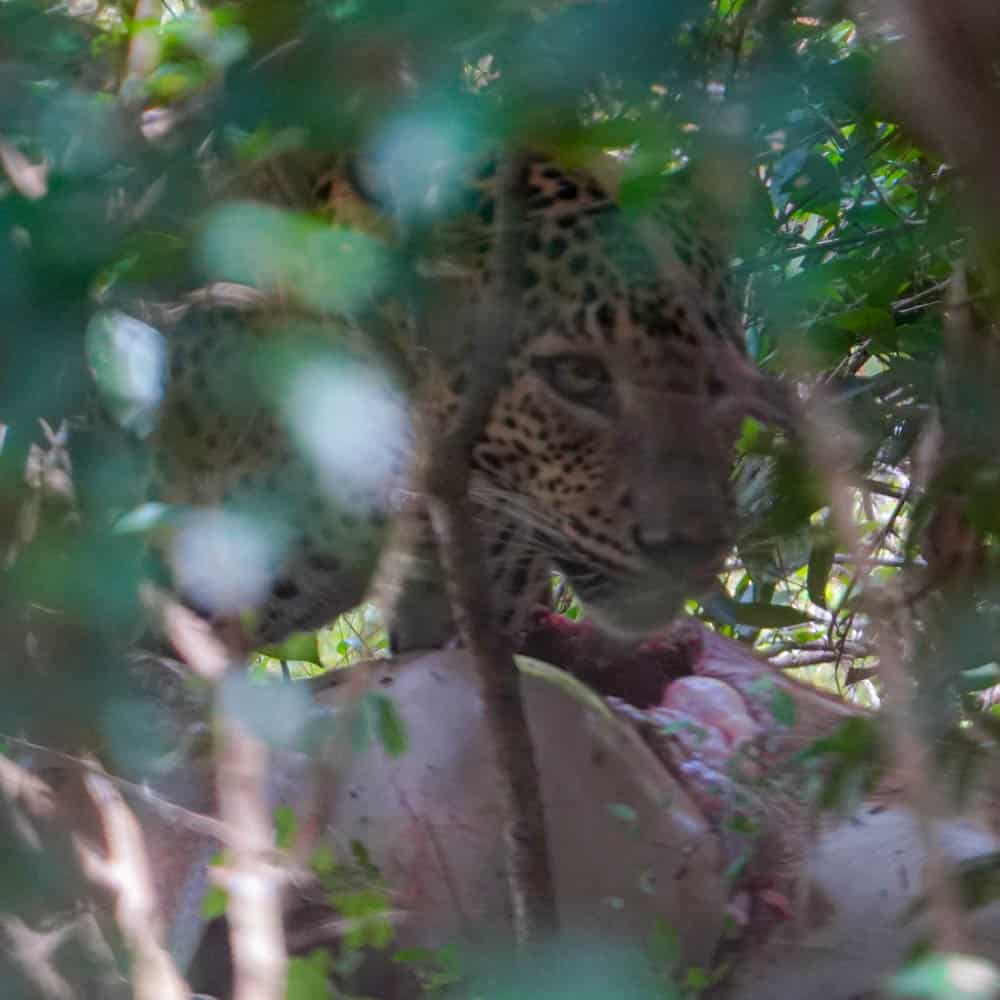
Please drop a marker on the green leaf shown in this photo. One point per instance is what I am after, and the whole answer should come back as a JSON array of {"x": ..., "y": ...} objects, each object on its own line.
[
  {"x": 214, "y": 902},
  {"x": 783, "y": 708},
  {"x": 389, "y": 725},
  {"x": 779, "y": 702},
  {"x": 727, "y": 8},
  {"x": 922, "y": 337},
  {"x": 359, "y": 852},
  {"x": 815, "y": 187},
  {"x": 869, "y": 321},
  {"x": 696, "y": 979},
  {"x": 850, "y": 762},
  {"x": 365, "y": 912},
  {"x": 301, "y": 646},
  {"x": 285, "y": 826},
  {"x": 309, "y": 977},
  {"x": 435, "y": 967},
  {"x": 979, "y": 678},
  {"x": 856, "y": 739},
  {"x": 820, "y": 564},
  {"x": 742, "y": 824},
  {"x": 828, "y": 341},
  {"x": 765, "y": 615},
  {"x": 978, "y": 883},
  {"x": 323, "y": 861},
  {"x": 683, "y": 726},
  {"x": 947, "y": 977},
  {"x": 216, "y": 899},
  {"x": 330, "y": 268},
  {"x": 623, "y": 812},
  {"x": 664, "y": 946}
]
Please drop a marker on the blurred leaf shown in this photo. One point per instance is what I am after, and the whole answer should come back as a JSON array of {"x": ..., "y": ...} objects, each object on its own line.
[
  {"x": 328, "y": 268},
  {"x": 214, "y": 903},
  {"x": 761, "y": 615},
  {"x": 783, "y": 707},
  {"x": 979, "y": 678},
  {"x": 216, "y": 899},
  {"x": 623, "y": 812},
  {"x": 366, "y": 913},
  {"x": 664, "y": 946},
  {"x": 379, "y": 718},
  {"x": 811, "y": 182},
  {"x": 285, "y": 827},
  {"x": 437, "y": 968},
  {"x": 869, "y": 322},
  {"x": 359, "y": 852},
  {"x": 851, "y": 761},
  {"x": 742, "y": 824},
  {"x": 301, "y": 646},
  {"x": 820, "y": 563},
  {"x": 309, "y": 976},
  {"x": 947, "y": 977}
]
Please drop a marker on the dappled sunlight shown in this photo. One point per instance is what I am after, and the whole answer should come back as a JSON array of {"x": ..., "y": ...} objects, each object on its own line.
[
  {"x": 224, "y": 561},
  {"x": 327, "y": 268},
  {"x": 301, "y": 298},
  {"x": 415, "y": 162},
  {"x": 351, "y": 424},
  {"x": 129, "y": 362}
]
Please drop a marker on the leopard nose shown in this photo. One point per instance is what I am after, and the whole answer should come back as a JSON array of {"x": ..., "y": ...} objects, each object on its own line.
[
  {"x": 659, "y": 545},
  {"x": 697, "y": 524}
]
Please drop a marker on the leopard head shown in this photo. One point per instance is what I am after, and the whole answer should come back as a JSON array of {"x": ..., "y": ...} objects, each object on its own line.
[{"x": 611, "y": 442}]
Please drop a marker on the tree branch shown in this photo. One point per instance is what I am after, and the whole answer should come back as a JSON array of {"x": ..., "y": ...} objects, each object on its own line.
[{"x": 446, "y": 482}]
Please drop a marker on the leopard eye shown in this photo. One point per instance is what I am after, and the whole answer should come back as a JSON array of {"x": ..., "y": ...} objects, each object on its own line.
[{"x": 580, "y": 378}]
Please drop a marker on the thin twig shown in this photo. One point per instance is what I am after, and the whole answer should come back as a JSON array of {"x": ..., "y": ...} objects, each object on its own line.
[
  {"x": 252, "y": 880},
  {"x": 251, "y": 877},
  {"x": 33, "y": 951},
  {"x": 832, "y": 447},
  {"x": 823, "y": 247},
  {"x": 144, "y": 46},
  {"x": 118, "y": 864},
  {"x": 916, "y": 768},
  {"x": 126, "y": 871},
  {"x": 529, "y": 873},
  {"x": 206, "y": 826}
]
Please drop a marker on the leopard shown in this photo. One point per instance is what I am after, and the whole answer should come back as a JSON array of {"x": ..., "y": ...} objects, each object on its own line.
[{"x": 606, "y": 455}]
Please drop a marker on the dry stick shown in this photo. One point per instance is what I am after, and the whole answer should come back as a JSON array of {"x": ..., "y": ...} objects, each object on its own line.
[
  {"x": 33, "y": 951},
  {"x": 252, "y": 880},
  {"x": 126, "y": 871},
  {"x": 144, "y": 46},
  {"x": 251, "y": 877},
  {"x": 830, "y": 442},
  {"x": 171, "y": 812},
  {"x": 120, "y": 866},
  {"x": 529, "y": 874}
]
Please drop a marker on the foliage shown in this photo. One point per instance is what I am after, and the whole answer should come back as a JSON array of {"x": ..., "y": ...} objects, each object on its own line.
[
  {"x": 940, "y": 976},
  {"x": 121, "y": 141}
]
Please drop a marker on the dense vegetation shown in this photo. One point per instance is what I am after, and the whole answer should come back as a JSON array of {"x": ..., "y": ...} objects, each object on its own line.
[{"x": 123, "y": 132}]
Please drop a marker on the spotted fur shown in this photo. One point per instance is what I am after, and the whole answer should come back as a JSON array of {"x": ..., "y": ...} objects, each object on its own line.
[{"x": 607, "y": 454}]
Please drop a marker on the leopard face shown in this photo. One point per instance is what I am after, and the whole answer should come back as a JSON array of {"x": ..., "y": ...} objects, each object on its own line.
[
  {"x": 607, "y": 453},
  {"x": 611, "y": 443}
]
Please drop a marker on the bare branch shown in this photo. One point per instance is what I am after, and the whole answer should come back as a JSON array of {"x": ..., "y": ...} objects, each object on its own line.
[
  {"x": 125, "y": 870},
  {"x": 33, "y": 951},
  {"x": 832, "y": 448},
  {"x": 446, "y": 477},
  {"x": 252, "y": 879}
]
